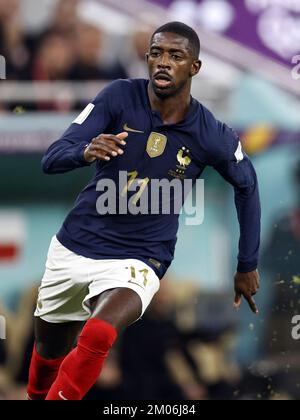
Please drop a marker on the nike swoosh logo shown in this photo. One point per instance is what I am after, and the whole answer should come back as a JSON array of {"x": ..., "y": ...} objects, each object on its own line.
[
  {"x": 61, "y": 396},
  {"x": 133, "y": 282},
  {"x": 131, "y": 130}
]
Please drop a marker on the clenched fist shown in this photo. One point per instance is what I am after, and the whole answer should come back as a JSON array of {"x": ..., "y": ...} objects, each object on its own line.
[{"x": 105, "y": 146}]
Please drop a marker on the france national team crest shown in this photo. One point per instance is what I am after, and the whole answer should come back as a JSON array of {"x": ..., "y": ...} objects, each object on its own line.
[
  {"x": 184, "y": 160},
  {"x": 156, "y": 144}
]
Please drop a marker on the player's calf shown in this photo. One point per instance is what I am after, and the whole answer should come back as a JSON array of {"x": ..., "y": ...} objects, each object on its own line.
[
  {"x": 81, "y": 368},
  {"x": 53, "y": 343},
  {"x": 42, "y": 374}
]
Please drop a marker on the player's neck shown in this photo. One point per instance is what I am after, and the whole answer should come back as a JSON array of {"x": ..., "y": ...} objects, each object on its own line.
[{"x": 172, "y": 110}]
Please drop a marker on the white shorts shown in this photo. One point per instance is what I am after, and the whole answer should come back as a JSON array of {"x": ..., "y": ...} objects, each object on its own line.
[{"x": 70, "y": 281}]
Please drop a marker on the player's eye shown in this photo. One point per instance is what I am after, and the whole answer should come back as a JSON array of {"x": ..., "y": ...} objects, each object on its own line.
[
  {"x": 176, "y": 57},
  {"x": 155, "y": 54}
]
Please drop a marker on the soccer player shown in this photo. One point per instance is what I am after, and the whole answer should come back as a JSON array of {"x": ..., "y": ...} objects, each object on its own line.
[{"x": 103, "y": 269}]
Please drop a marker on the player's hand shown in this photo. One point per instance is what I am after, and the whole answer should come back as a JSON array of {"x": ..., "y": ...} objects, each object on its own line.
[
  {"x": 105, "y": 146},
  {"x": 246, "y": 285}
]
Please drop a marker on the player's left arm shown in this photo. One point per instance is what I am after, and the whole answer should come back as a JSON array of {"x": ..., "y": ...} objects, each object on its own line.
[{"x": 237, "y": 169}]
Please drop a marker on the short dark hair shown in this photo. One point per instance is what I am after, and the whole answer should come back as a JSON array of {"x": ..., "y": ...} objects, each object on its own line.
[{"x": 183, "y": 30}]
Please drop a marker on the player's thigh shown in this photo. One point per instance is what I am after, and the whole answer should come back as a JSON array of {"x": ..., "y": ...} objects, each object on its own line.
[
  {"x": 123, "y": 292},
  {"x": 56, "y": 340},
  {"x": 119, "y": 307}
]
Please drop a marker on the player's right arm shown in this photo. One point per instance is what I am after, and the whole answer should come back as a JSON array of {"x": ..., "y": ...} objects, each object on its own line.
[
  {"x": 83, "y": 142},
  {"x": 104, "y": 147}
]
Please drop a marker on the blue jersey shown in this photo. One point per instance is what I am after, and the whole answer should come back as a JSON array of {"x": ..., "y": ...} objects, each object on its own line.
[{"x": 154, "y": 150}]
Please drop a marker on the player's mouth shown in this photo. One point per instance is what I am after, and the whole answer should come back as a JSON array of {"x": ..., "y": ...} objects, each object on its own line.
[{"x": 162, "y": 80}]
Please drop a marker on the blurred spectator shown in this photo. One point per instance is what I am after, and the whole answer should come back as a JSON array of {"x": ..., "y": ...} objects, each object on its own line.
[
  {"x": 53, "y": 62},
  {"x": 64, "y": 22},
  {"x": 153, "y": 356},
  {"x": 281, "y": 259},
  {"x": 65, "y": 17},
  {"x": 134, "y": 59},
  {"x": 12, "y": 42},
  {"x": 3, "y": 358},
  {"x": 54, "y": 58},
  {"x": 16, "y": 349},
  {"x": 88, "y": 66},
  {"x": 110, "y": 385}
]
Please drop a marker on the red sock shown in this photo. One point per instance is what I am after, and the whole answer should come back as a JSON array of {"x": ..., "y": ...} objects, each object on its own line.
[
  {"x": 81, "y": 368},
  {"x": 42, "y": 374}
]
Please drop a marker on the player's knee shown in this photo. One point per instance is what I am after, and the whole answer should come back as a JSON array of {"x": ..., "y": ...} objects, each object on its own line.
[
  {"x": 50, "y": 351},
  {"x": 97, "y": 337}
]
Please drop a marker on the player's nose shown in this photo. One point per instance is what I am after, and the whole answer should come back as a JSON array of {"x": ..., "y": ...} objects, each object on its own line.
[{"x": 164, "y": 61}]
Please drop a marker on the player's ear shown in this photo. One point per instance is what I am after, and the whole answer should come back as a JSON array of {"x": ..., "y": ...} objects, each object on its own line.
[
  {"x": 147, "y": 57},
  {"x": 196, "y": 66}
]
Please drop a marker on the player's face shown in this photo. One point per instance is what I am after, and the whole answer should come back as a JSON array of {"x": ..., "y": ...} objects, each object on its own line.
[{"x": 171, "y": 64}]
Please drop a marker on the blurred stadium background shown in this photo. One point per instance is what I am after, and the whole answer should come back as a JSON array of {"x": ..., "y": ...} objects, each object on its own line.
[{"x": 59, "y": 54}]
